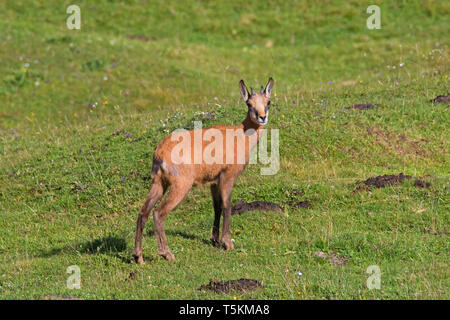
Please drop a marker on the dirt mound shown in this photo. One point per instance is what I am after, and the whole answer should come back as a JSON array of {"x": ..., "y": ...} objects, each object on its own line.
[
  {"x": 242, "y": 206},
  {"x": 389, "y": 180},
  {"x": 241, "y": 285},
  {"x": 421, "y": 184},
  {"x": 441, "y": 99},
  {"x": 363, "y": 106},
  {"x": 386, "y": 180},
  {"x": 301, "y": 204}
]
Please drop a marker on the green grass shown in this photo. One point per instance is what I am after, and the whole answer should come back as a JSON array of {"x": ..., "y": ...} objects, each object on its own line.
[{"x": 62, "y": 161}]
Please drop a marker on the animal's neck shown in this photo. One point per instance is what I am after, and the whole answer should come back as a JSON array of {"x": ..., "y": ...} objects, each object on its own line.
[{"x": 249, "y": 124}]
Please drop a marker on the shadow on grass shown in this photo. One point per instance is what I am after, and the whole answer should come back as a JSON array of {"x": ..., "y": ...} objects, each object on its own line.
[
  {"x": 111, "y": 245},
  {"x": 182, "y": 234}
]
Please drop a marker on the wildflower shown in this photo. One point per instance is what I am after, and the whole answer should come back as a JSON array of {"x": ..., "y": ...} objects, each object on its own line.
[
  {"x": 299, "y": 293},
  {"x": 127, "y": 92},
  {"x": 105, "y": 78},
  {"x": 401, "y": 64},
  {"x": 274, "y": 94},
  {"x": 330, "y": 82},
  {"x": 299, "y": 273},
  {"x": 75, "y": 115},
  {"x": 234, "y": 298},
  {"x": 343, "y": 109},
  {"x": 127, "y": 136},
  {"x": 36, "y": 83},
  {"x": 360, "y": 81},
  {"x": 122, "y": 179},
  {"x": 106, "y": 102},
  {"x": 26, "y": 65},
  {"x": 282, "y": 116}
]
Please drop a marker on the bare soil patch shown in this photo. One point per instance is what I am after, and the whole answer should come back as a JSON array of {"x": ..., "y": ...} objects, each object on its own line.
[
  {"x": 241, "y": 285},
  {"x": 399, "y": 144},
  {"x": 332, "y": 258}
]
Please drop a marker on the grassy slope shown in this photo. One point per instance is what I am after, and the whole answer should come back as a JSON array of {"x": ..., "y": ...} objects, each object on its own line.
[{"x": 62, "y": 198}]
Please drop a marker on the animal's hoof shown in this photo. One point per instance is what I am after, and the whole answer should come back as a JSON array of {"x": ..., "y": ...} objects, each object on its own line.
[
  {"x": 168, "y": 256},
  {"x": 228, "y": 244},
  {"x": 214, "y": 240},
  {"x": 138, "y": 259}
]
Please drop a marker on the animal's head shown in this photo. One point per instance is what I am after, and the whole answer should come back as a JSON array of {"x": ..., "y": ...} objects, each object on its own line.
[{"x": 258, "y": 103}]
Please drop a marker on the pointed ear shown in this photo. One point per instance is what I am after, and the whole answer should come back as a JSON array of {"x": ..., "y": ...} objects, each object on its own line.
[
  {"x": 269, "y": 86},
  {"x": 244, "y": 90}
]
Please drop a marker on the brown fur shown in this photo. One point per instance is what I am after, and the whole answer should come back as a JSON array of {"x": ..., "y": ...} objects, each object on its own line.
[{"x": 182, "y": 177}]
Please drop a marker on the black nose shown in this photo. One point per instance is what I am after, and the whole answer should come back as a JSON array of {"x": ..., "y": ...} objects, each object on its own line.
[{"x": 262, "y": 118}]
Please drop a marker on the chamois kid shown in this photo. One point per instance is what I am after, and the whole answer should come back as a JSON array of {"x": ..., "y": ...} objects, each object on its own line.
[{"x": 178, "y": 177}]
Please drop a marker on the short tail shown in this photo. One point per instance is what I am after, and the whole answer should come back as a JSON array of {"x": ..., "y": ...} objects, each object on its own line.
[{"x": 156, "y": 167}]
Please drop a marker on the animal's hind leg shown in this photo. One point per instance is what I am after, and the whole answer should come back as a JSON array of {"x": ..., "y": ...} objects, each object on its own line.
[
  {"x": 217, "y": 203},
  {"x": 176, "y": 194},
  {"x": 157, "y": 190}
]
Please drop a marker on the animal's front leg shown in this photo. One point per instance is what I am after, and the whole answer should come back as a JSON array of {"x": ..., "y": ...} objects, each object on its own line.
[{"x": 226, "y": 184}]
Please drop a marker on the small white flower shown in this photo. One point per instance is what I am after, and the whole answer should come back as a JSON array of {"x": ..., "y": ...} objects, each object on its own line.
[
  {"x": 401, "y": 64},
  {"x": 26, "y": 65},
  {"x": 36, "y": 83},
  {"x": 299, "y": 273},
  {"x": 105, "y": 78}
]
